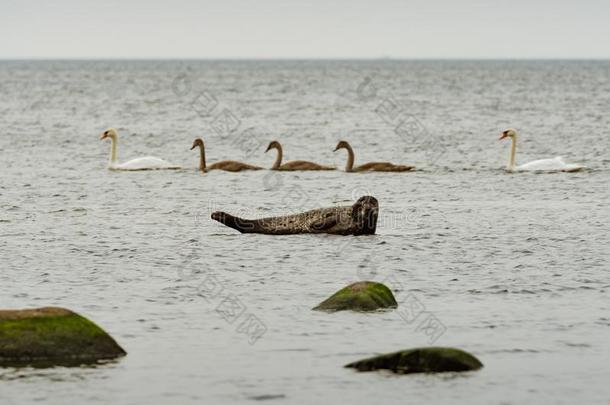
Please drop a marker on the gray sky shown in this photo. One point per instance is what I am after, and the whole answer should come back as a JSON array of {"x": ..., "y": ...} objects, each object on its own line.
[{"x": 304, "y": 29}]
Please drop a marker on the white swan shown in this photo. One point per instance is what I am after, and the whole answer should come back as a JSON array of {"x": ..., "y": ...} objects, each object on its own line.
[
  {"x": 143, "y": 163},
  {"x": 548, "y": 165}
]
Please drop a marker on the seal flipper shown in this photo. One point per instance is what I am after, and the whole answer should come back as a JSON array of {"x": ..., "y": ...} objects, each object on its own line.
[
  {"x": 240, "y": 224},
  {"x": 325, "y": 223}
]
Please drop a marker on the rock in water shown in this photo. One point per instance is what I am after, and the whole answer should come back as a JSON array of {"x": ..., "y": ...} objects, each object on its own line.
[
  {"x": 52, "y": 336},
  {"x": 421, "y": 360},
  {"x": 361, "y": 296}
]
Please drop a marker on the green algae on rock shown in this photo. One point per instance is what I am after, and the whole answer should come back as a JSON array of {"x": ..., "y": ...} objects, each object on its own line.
[
  {"x": 420, "y": 360},
  {"x": 360, "y": 296},
  {"x": 52, "y": 336}
]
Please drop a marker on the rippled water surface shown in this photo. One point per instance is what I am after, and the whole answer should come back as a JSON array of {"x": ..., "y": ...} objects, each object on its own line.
[{"x": 511, "y": 267}]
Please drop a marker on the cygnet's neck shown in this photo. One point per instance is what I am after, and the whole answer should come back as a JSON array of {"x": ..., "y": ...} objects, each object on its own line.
[
  {"x": 278, "y": 158},
  {"x": 350, "y": 158},
  {"x": 202, "y": 158}
]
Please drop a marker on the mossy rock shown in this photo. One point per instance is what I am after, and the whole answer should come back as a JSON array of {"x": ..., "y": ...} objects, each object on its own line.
[
  {"x": 52, "y": 336},
  {"x": 421, "y": 360},
  {"x": 360, "y": 296}
]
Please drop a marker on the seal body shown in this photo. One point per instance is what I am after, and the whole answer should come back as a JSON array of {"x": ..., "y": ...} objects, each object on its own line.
[{"x": 357, "y": 219}]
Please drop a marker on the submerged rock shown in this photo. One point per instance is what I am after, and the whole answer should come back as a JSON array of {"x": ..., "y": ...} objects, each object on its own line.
[
  {"x": 52, "y": 336},
  {"x": 420, "y": 360},
  {"x": 360, "y": 296}
]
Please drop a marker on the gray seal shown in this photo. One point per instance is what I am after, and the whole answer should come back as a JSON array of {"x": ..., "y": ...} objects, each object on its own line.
[{"x": 357, "y": 219}]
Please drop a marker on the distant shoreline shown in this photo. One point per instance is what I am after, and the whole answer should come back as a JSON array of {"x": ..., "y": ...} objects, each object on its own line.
[{"x": 34, "y": 59}]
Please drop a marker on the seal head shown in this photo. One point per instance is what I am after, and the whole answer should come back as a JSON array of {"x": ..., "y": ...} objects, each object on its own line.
[{"x": 364, "y": 215}]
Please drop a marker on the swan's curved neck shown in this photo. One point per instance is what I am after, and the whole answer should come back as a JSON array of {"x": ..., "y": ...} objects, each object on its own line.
[
  {"x": 278, "y": 159},
  {"x": 202, "y": 158},
  {"x": 350, "y": 158},
  {"x": 513, "y": 152},
  {"x": 113, "y": 145}
]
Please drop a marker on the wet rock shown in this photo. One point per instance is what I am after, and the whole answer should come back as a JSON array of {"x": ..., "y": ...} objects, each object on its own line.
[
  {"x": 360, "y": 296},
  {"x": 52, "y": 336},
  {"x": 420, "y": 360}
]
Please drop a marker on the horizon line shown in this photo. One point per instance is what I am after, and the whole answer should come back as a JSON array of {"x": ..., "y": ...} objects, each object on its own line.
[{"x": 270, "y": 59}]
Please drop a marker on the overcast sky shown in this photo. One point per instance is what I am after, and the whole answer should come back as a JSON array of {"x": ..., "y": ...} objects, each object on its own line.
[{"x": 304, "y": 29}]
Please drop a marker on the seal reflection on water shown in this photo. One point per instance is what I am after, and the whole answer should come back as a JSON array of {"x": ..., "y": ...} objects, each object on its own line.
[{"x": 357, "y": 219}]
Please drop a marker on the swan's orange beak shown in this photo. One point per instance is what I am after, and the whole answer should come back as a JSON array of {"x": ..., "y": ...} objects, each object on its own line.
[
  {"x": 103, "y": 135},
  {"x": 504, "y": 135}
]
